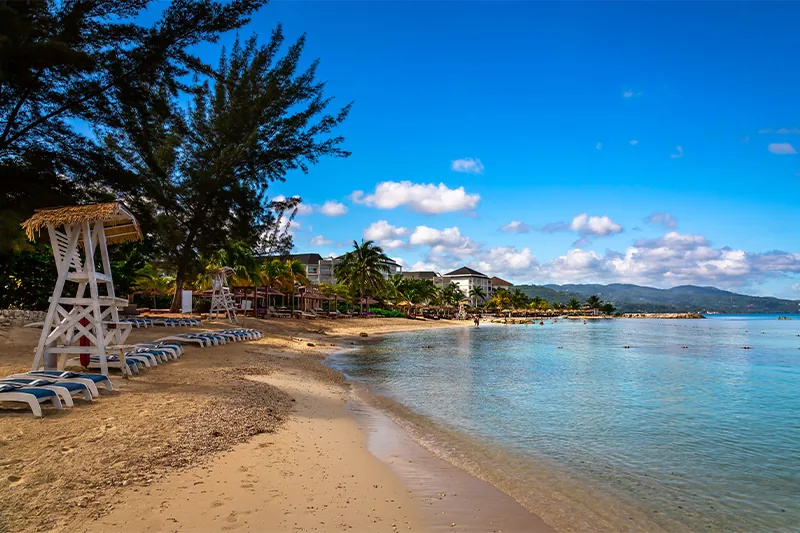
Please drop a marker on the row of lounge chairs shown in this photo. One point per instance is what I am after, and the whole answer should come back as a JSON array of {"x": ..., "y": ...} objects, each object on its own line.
[
  {"x": 310, "y": 314},
  {"x": 59, "y": 388},
  {"x": 167, "y": 322}
]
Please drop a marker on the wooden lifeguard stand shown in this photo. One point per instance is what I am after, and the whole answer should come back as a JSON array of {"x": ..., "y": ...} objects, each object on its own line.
[
  {"x": 221, "y": 298},
  {"x": 77, "y": 233}
]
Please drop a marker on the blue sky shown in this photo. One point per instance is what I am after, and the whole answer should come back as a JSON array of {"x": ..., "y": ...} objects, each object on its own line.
[{"x": 469, "y": 116}]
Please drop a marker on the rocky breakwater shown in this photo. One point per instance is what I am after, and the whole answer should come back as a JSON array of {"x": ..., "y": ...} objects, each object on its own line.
[
  {"x": 10, "y": 318},
  {"x": 663, "y": 315}
]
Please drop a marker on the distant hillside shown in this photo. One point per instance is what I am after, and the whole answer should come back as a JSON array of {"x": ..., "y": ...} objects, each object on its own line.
[{"x": 686, "y": 298}]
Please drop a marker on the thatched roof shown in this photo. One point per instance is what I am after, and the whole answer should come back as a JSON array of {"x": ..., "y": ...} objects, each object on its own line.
[{"x": 120, "y": 225}]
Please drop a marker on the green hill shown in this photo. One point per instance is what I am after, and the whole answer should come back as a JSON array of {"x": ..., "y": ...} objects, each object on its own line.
[{"x": 630, "y": 298}]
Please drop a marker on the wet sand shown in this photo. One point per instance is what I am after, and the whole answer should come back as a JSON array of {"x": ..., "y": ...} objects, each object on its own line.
[{"x": 452, "y": 500}]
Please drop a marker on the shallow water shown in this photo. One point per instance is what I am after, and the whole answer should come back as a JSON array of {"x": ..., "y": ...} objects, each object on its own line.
[{"x": 596, "y": 437}]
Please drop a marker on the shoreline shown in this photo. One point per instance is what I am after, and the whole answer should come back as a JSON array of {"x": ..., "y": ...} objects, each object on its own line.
[{"x": 178, "y": 450}]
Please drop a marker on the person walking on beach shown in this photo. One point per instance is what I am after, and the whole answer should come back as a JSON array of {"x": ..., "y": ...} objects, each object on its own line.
[{"x": 477, "y": 321}]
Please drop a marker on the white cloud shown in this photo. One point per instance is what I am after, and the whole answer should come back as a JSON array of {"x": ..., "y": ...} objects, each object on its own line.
[
  {"x": 746, "y": 139},
  {"x": 515, "y": 226},
  {"x": 765, "y": 130},
  {"x": 594, "y": 226},
  {"x": 673, "y": 259},
  {"x": 507, "y": 261},
  {"x": 386, "y": 235},
  {"x": 448, "y": 241},
  {"x": 333, "y": 208},
  {"x": 468, "y": 164},
  {"x": 796, "y": 287},
  {"x": 420, "y": 197},
  {"x": 675, "y": 240},
  {"x": 679, "y": 153},
  {"x": 319, "y": 240},
  {"x": 586, "y": 226},
  {"x": 279, "y": 198},
  {"x": 289, "y": 226},
  {"x": 781, "y": 149},
  {"x": 599, "y": 146},
  {"x": 631, "y": 94},
  {"x": 634, "y": 142},
  {"x": 662, "y": 219}
]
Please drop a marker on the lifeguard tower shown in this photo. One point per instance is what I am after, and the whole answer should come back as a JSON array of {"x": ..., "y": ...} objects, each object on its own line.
[
  {"x": 83, "y": 317},
  {"x": 222, "y": 303}
]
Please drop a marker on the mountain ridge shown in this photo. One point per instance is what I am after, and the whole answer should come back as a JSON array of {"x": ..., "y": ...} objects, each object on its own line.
[{"x": 631, "y": 298}]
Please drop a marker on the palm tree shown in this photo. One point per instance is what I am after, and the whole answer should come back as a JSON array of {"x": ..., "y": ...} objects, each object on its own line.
[
  {"x": 149, "y": 278},
  {"x": 477, "y": 293},
  {"x": 271, "y": 274},
  {"x": 363, "y": 269},
  {"x": 573, "y": 304},
  {"x": 396, "y": 286},
  {"x": 293, "y": 274},
  {"x": 594, "y": 301},
  {"x": 518, "y": 299},
  {"x": 500, "y": 299}
]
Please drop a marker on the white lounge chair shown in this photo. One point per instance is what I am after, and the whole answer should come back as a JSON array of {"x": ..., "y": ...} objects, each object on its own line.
[
  {"x": 92, "y": 381},
  {"x": 65, "y": 391},
  {"x": 33, "y": 396}
]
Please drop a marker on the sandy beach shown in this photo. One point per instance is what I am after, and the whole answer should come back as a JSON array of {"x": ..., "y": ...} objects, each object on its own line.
[{"x": 251, "y": 436}]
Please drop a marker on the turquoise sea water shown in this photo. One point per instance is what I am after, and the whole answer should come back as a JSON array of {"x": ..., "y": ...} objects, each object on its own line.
[{"x": 597, "y": 437}]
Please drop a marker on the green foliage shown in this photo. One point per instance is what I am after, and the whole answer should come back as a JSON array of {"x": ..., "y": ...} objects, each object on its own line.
[
  {"x": 594, "y": 301},
  {"x": 28, "y": 276},
  {"x": 362, "y": 269},
  {"x": 67, "y": 64},
  {"x": 607, "y": 308},
  {"x": 27, "y": 279},
  {"x": 573, "y": 304},
  {"x": 388, "y": 313}
]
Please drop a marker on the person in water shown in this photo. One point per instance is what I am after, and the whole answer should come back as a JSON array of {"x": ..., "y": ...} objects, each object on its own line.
[{"x": 477, "y": 321}]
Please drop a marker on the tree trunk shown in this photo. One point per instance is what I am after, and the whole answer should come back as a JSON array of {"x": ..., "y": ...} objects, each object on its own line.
[{"x": 176, "y": 298}]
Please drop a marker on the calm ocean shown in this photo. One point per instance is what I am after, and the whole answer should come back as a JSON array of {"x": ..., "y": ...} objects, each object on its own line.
[{"x": 596, "y": 437}]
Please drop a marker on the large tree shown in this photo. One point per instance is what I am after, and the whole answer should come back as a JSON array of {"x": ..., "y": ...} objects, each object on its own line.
[
  {"x": 67, "y": 66},
  {"x": 201, "y": 176}
]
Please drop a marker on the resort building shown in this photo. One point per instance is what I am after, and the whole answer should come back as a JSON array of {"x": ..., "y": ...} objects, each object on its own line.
[
  {"x": 323, "y": 269},
  {"x": 467, "y": 278},
  {"x": 499, "y": 283},
  {"x": 434, "y": 277}
]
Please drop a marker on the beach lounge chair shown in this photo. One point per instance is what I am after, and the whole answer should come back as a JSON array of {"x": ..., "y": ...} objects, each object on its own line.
[
  {"x": 131, "y": 366},
  {"x": 33, "y": 396},
  {"x": 92, "y": 381},
  {"x": 243, "y": 334},
  {"x": 206, "y": 337},
  {"x": 162, "y": 354},
  {"x": 188, "y": 338},
  {"x": 65, "y": 391},
  {"x": 173, "y": 348},
  {"x": 280, "y": 313}
]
